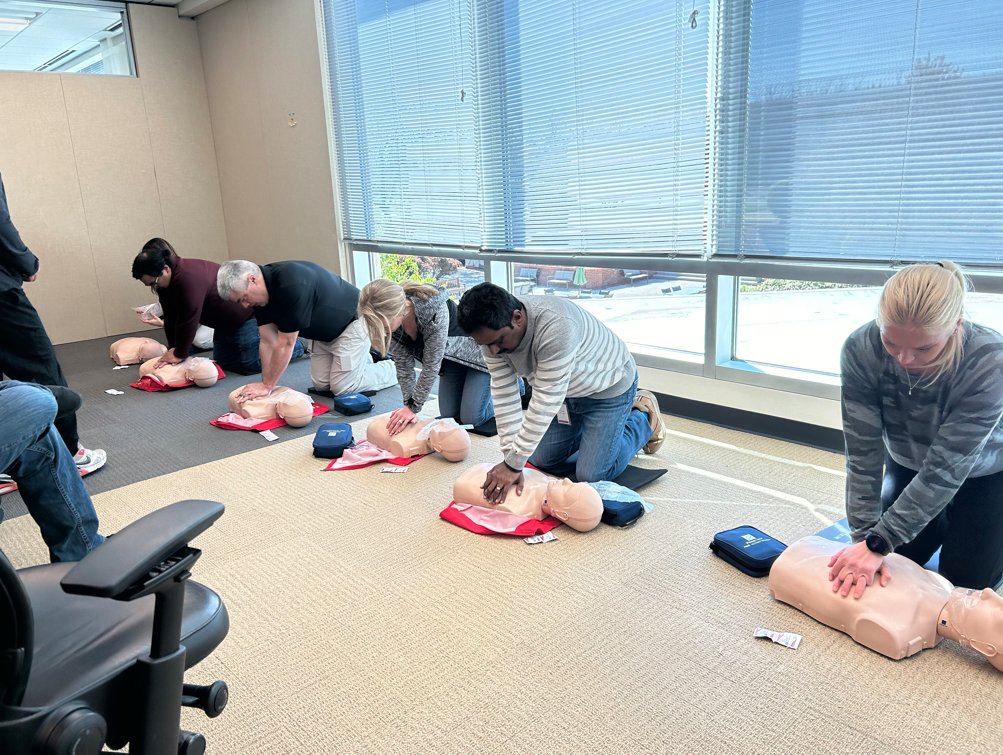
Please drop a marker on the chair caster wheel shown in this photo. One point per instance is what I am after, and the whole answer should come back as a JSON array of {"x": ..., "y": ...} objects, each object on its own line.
[
  {"x": 72, "y": 728},
  {"x": 210, "y": 699},
  {"x": 191, "y": 743}
]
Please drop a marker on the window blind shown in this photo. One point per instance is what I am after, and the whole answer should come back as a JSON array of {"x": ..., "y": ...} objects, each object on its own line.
[
  {"x": 405, "y": 110},
  {"x": 525, "y": 125},
  {"x": 873, "y": 131}
]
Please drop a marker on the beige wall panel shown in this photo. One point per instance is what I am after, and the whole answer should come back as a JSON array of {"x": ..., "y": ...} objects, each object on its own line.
[
  {"x": 228, "y": 60},
  {"x": 115, "y": 167},
  {"x": 39, "y": 171},
  {"x": 177, "y": 110},
  {"x": 262, "y": 62},
  {"x": 297, "y": 156}
]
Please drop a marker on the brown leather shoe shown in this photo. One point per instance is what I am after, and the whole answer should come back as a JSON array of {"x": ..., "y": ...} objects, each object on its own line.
[{"x": 646, "y": 402}]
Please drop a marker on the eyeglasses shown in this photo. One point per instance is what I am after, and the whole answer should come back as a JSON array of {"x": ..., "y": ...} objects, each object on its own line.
[{"x": 155, "y": 283}]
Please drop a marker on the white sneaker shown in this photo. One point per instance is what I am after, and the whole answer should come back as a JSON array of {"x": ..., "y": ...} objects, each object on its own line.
[
  {"x": 7, "y": 484},
  {"x": 89, "y": 460},
  {"x": 646, "y": 402}
]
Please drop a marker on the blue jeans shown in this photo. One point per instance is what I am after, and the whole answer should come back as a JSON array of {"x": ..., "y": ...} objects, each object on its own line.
[
  {"x": 465, "y": 394},
  {"x": 602, "y": 438},
  {"x": 238, "y": 350},
  {"x": 49, "y": 482}
]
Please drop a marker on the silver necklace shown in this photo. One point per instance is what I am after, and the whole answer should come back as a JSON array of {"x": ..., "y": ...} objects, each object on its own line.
[{"x": 908, "y": 380}]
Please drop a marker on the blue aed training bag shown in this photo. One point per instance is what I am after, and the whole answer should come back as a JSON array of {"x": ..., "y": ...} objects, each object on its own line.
[
  {"x": 332, "y": 439},
  {"x": 747, "y": 549},
  {"x": 352, "y": 403}
]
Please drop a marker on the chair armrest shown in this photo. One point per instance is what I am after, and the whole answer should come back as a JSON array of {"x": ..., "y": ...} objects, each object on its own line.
[{"x": 127, "y": 558}]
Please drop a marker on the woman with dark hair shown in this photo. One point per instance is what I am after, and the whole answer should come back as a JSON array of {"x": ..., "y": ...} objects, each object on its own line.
[{"x": 187, "y": 292}]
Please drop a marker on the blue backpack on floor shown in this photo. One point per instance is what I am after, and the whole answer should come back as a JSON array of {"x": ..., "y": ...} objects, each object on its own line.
[
  {"x": 352, "y": 403},
  {"x": 332, "y": 439}
]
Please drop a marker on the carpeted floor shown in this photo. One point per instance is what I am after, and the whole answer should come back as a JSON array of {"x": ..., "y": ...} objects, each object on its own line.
[{"x": 361, "y": 622}]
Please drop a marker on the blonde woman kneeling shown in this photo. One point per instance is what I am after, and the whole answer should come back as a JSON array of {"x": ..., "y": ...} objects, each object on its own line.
[
  {"x": 922, "y": 401},
  {"x": 415, "y": 321}
]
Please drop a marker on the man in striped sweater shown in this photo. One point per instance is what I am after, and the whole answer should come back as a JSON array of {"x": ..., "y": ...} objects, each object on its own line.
[{"x": 585, "y": 407}]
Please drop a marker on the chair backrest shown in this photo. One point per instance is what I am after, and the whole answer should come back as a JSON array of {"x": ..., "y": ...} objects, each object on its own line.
[
  {"x": 17, "y": 631},
  {"x": 564, "y": 275}
]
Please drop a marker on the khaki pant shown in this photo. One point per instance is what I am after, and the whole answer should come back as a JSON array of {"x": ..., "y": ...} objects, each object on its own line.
[{"x": 345, "y": 365}]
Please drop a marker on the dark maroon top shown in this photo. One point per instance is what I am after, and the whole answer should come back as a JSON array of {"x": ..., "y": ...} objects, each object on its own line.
[{"x": 192, "y": 299}]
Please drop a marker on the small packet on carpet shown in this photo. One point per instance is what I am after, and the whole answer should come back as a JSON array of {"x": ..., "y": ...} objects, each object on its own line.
[
  {"x": 787, "y": 639},
  {"x": 546, "y": 537},
  {"x": 394, "y": 470}
]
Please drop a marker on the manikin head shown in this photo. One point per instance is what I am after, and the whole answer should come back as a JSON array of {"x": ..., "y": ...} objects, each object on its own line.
[
  {"x": 974, "y": 618},
  {"x": 577, "y": 504},
  {"x": 282, "y": 403},
  {"x": 136, "y": 350},
  {"x": 242, "y": 282}
]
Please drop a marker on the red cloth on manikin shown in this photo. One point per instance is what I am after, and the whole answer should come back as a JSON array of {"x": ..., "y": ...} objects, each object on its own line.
[
  {"x": 365, "y": 454},
  {"x": 233, "y": 421},
  {"x": 455, "y": 514}
]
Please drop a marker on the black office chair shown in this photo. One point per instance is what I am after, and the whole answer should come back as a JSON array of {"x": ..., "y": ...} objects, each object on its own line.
[{"x": 79, "y": 666}]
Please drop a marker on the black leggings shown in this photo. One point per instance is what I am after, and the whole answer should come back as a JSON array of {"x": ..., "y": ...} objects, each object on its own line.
[{"x": 968, "y": 531}]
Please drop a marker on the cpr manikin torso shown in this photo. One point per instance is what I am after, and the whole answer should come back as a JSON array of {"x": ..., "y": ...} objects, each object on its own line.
[
  {"x": 134, "y": 350},
  {"x": 421, "y": 437},
  {"x": 198, "y": 370},
  {"x": 282, "y": 403},
  {"x": 912, "y": 612},
  {"x": 577, "y": 504}
]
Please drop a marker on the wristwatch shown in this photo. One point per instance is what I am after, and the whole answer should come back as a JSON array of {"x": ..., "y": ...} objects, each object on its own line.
[{"x": 877, "y": 544}]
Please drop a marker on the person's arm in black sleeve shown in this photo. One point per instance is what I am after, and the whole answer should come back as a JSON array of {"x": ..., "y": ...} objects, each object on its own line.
[{"x": 15, "y": 256}]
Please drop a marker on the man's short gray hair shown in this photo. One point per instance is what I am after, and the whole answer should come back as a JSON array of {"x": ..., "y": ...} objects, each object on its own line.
[{"x": 232, "y": 276}]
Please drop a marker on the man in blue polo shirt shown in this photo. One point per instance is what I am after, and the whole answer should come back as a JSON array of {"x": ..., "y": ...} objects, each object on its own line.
[{"x": 298, "y": 298}]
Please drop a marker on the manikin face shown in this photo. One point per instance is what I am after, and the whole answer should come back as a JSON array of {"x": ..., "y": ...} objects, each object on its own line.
[
  {"x": 914, "y": 349},
  {"x": 975, "y": 618},
  {"x": 255, "y": 295},
  {"x": 576, "y": 504},
  {"x": 504, "y": 340}
]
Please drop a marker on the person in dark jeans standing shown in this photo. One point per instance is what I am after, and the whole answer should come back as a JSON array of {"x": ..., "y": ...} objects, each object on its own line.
[
  {"x": 186, "y": 288},
  {"x": 26, "y": 353}
]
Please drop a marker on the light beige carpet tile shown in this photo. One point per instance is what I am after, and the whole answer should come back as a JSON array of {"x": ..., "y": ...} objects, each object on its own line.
[{"x": 363, "y": 623}]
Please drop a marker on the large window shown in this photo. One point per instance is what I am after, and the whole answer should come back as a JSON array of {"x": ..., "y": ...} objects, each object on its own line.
[
  {"x": 785, "y": 154},
  {"x": 64, "y": 37}
]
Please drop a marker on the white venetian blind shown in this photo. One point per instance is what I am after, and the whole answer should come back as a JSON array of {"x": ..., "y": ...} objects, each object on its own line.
[
  {"x": 874, "y": 130},
  {"x": 405, "y": 112},
  {"x": 594, "y": 129},
  {"x": 559, "y": 126}
]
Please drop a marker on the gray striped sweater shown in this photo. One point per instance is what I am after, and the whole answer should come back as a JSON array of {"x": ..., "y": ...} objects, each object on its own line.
[
  {"x": 565, "y": 352},
  {"x": 947, "y": 432}
]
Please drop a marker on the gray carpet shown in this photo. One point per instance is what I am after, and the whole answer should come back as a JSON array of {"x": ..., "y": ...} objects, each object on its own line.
[{"x": 151, "y": 434}]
